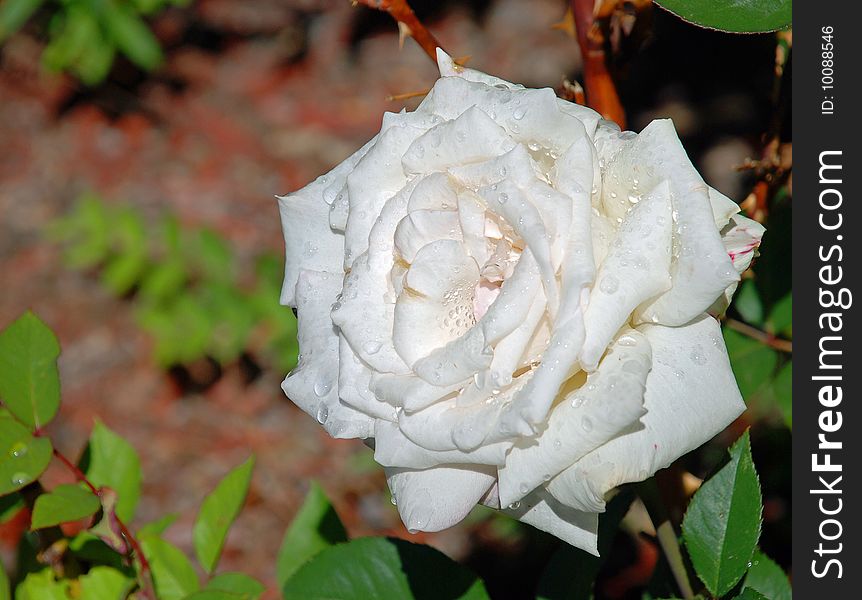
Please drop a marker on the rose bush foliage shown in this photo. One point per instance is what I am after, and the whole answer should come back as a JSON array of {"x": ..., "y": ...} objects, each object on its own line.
[{"x": 510, "y": 300}]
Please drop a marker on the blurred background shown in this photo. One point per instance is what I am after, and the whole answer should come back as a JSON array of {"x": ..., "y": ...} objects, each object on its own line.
[{"x": 141, "y": 146}]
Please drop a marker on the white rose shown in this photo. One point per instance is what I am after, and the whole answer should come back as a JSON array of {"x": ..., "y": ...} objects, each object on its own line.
[{"x": 509, "y": 299}]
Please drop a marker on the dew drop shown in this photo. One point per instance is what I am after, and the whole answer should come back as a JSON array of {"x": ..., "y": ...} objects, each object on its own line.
[
  {"x": 322, "y": 387},
  {"x": 697, "y": 356},
  {"x": 322, "y": 413},
  {"x": 586, "y": 424},
  {"x": 523, "y": 488},
  {"x": 18, "y": 450},
  {"x": 503, "y": 197},
  {"x": 515, "y": 505},
  {"x": 372, "y": 347},
  {"x": 519, "y": 113},
  {"x": 609, "y": 284},
  {"x": 558, "y": 444},
  {"x": 20, "y": 479}
]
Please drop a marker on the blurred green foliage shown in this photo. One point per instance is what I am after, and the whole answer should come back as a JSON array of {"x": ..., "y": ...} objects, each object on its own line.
[
  {"x": 84, "y": 36},
  {"x": 186, "y": 285}
]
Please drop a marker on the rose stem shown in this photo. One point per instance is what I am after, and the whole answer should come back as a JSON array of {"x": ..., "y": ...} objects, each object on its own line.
[
  {"x": 763, "y": 337},
  {"x": 601, "y": 92},
  {"x": 408, "y": 22},
  {"x": 133, "y": 542},
  {"x": 652, "y": 498}
]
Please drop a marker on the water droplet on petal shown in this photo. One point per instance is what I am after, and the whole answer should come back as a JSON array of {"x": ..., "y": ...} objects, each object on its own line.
[
  {"x": 586, "y": 424},
  {"x": 372, "y": 347},
  {"x": 20, "y": 479},
  {"x": 322, "y": 414},
  {"x": 609, "y": 284},
  {"x": 322, "y": 387}
]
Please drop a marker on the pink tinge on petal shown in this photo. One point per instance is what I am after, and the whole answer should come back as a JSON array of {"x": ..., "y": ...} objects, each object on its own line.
[
  {"x": 483, "y": 297},
  {"x": 750, "y": 247}
]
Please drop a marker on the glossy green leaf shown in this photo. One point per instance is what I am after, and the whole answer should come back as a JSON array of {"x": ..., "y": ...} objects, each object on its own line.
[
  {"x": 23, "y": 458},
  {"x": 104, "y": 583},
  {"x": 735, "y": 16},
  {"x": 217, "y": 514},
  {"x": 753, "y": 362},
  {"x": 383, "y": 568},
  {"x": 722, "y": 524},
  {"x": 88, "y": 547},
  {"x": 750, "y": 594},
  {"x": 768, "y": 578},
  {"x": 314, "y": 528},
  {"x": 111, "y": 461},
  {"x": 173, "y": 573},
  {"x": 29, "y": 380},
  {"x": 14, "y": 13},
  {"x": 63, "y": 504}
]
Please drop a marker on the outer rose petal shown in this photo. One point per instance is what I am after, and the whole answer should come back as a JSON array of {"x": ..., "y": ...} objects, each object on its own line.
[
  {"x": 313, "y": 384},
  {"x": 575, "y": 527},
  {"x": 607, "y": 403},
  {"x": 701, "y": 269},
  {"x": 691, "y": 395},
  {"x": 634, "y": 271},
  {"x": 393, "y": 449},
  {"x": 309, "y": 242},
  {"x": 437, "y": 498}
]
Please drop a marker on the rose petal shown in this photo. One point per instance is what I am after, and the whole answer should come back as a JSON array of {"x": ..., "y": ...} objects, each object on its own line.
[
  {"x": 437, "y": 498},
  {"x": 544, "y": 512},
  {"x": 436, "y": 306},
  {"x": 587, "y": 417},
  {"x": 634, "y": 271},
  {"x": 313, "y": 384},
  {"x": 393, "y": 449},
  {"x": 446, "y": 144},
  {"x": 309, "y": 241},
  {"x": 691, "y": 395},
  {"x": 701, "y": 269},
  {"x": 421, "y": 227}
]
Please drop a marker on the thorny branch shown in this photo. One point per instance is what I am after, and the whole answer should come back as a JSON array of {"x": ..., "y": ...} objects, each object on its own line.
[
  {"x": 601, "y": 91},
  {"x": 408, "y": 23},
  {"x": 138, "y": 553}
]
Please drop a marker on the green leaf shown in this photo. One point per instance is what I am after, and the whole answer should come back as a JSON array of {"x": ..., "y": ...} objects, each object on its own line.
[
  {"x": 111, "y": 461},
  {"x": 132, "y": 36},
  {"x": 783, "y": 388},
  {"x": 780, "y": 319},
  {"x": 735, "y": 16},
  {"x": 23, "y": 458},
  {"x": 29, "y": 381},
  {"x": 722, "y": 524},
  {"x": 750, "y": 594},
  {"x": 88, "y": 547},
  {"x": 174, "y": 575},
  {"x": 14, "y": 13},
  {"x": 314, "y": 528},
  {"x": 753, "y": 362},
  {"x": 63, "y": 504},
  {"x": 230, "y": 586},
  {"x": 218, "y": 511},
  {"x": 748, "y": 304},
  {"x": 41, "y": 585},
  {"x": 383, "y": 568},
  {"x": 159, "y": 526},
  {"x": 104, "y": 583},
  {"x": 10, "y": 506},
  {"x": 768, "y": 578}
]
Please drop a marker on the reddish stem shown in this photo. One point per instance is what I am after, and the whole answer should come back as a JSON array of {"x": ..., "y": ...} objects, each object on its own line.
[
  {"x": 601, "y": 91},
  {"x": 133, "y": 542},
  {"x": 400, "y": 11}
]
